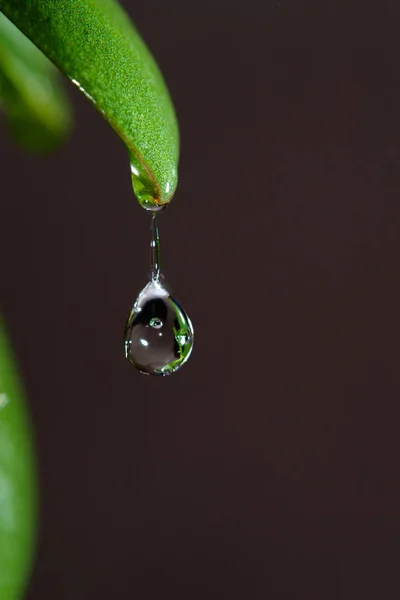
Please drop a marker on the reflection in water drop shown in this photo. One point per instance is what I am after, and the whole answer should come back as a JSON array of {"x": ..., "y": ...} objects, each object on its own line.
[
  {"x": 156, "y": 323},
  {"x": 159, "y": 334}
]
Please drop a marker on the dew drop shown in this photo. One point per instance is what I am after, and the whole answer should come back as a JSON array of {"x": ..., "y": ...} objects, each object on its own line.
[{"x": 158, "y": 334}]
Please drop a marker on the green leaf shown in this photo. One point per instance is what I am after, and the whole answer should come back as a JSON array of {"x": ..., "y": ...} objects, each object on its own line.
[
  {"x": 35, "y": 106},
  {"x": 94, "y": 43},
  {"x": 17, "y": 480}
]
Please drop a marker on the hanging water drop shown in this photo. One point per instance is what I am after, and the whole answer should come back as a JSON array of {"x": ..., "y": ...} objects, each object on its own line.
[{"x": 158, "y": 334}]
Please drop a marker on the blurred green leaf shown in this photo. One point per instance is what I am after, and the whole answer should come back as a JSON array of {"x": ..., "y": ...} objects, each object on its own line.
[
  {"x": 32, "y": 99},
  {"x": 17, "y": 480}
]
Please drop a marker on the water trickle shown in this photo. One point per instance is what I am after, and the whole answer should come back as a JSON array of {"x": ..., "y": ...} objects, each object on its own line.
[{"x": 158, "y": 334}]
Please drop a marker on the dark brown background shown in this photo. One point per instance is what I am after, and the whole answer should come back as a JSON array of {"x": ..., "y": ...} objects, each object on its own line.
[{"x": 267, "y": 467}]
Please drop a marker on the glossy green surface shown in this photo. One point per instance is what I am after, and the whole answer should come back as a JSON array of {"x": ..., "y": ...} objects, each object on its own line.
[
  {"x": 94, "y": 43},
  {"x": 17, "y": 485},
  {"x": 31, "y": 98}
]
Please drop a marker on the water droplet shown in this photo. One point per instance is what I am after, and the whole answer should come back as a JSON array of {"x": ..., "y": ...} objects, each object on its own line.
[
  {"x": 159, "y": 334},
  {"x": 145, "y": 191}
]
